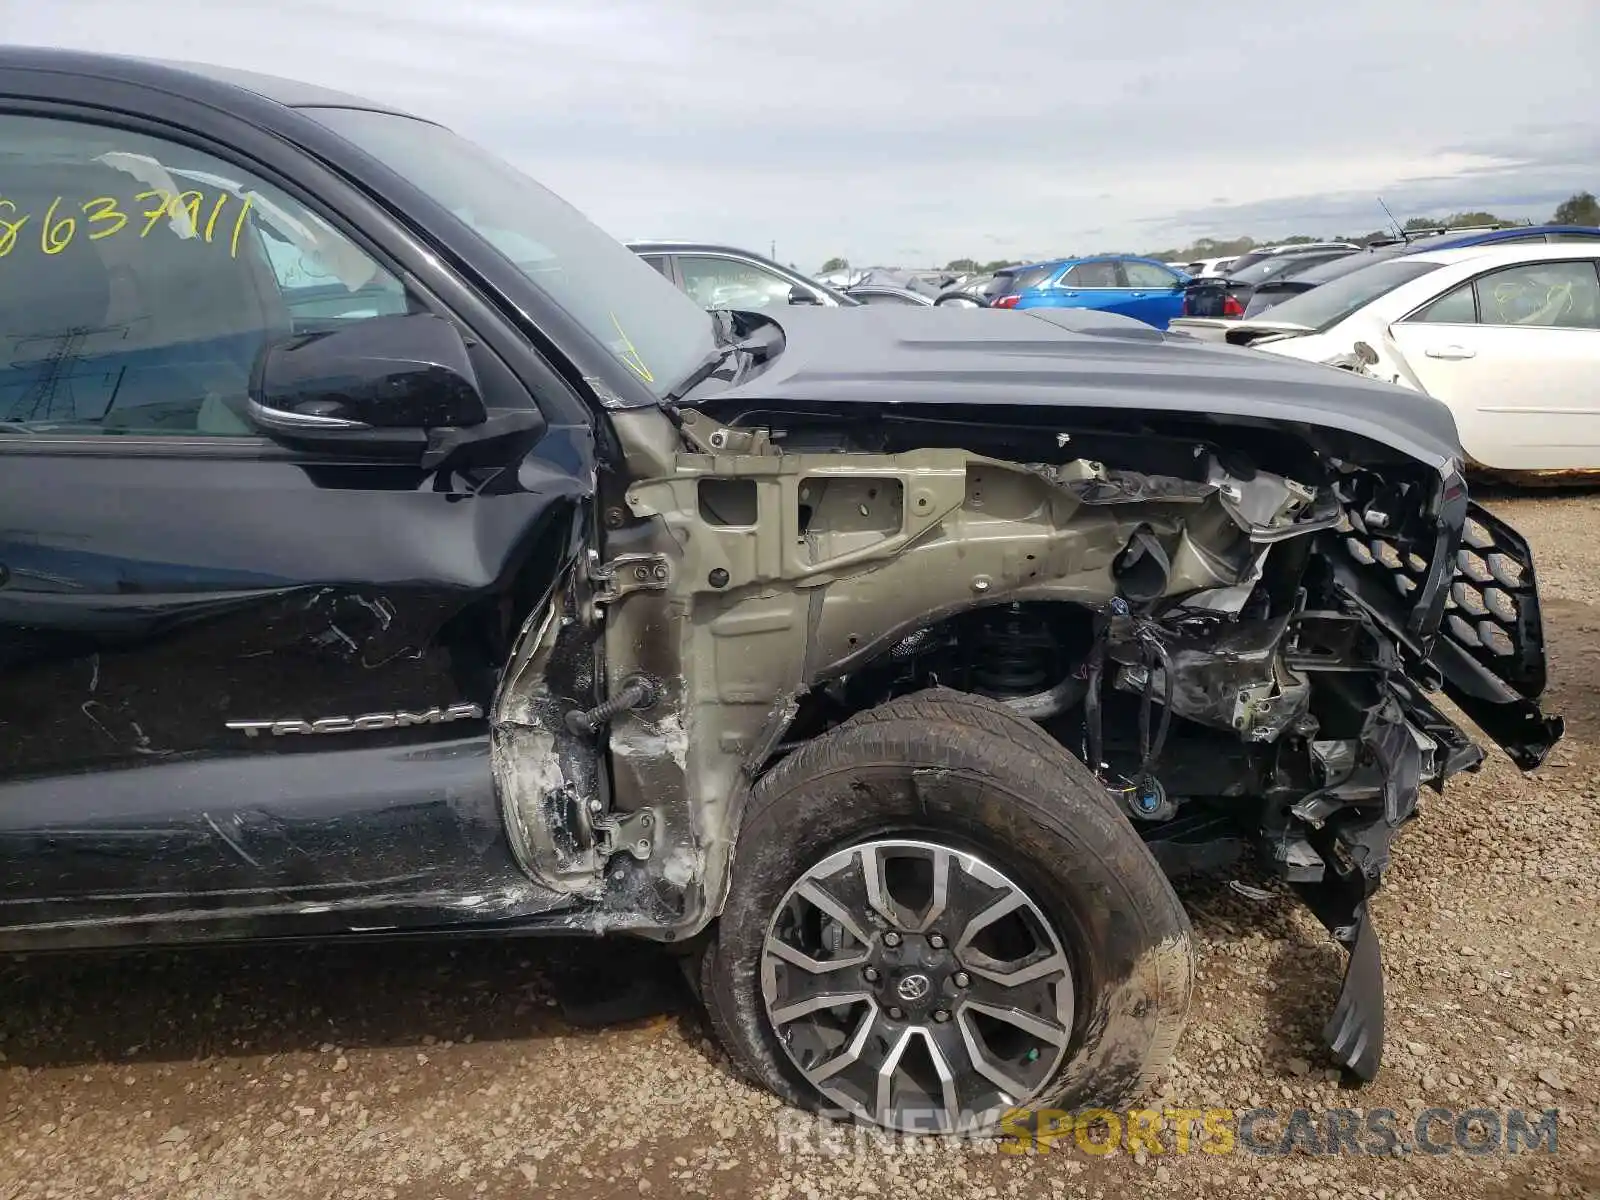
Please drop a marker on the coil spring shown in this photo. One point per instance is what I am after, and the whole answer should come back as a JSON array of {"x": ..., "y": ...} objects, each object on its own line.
[{"x": 1015, "y": 654}]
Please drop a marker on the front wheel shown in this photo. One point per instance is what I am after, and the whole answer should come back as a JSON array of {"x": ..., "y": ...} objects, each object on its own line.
[{"x": 936, "y": 916}]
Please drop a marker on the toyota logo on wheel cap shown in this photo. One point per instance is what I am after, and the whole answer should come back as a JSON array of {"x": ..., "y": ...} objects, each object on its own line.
[{"x": 914, "y": 987}]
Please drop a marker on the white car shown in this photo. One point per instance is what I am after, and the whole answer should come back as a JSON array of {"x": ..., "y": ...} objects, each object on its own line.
[{"x": 1507, "y": 336}]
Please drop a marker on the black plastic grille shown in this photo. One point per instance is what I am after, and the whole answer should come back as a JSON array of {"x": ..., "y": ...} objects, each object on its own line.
[{"x": 1492, "y": 611}]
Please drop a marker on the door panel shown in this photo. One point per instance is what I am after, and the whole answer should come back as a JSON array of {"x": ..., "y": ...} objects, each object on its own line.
[
  {"x": 1515, "y": 353},
  {"x": 1085, "y": 285},
  {"x": 1524, "y": 399},
  {"x": 182, "y": 602},
  {"x": 1151, "y": 294},
  {"x": 234, "y": 589},
  {"x": 248, "y": 590}
]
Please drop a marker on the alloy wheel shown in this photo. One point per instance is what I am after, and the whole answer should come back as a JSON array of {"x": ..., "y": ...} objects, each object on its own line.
[{"x": 917, "y": 987}]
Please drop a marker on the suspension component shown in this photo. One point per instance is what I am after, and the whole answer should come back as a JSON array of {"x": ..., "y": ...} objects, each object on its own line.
[{"x": 1015, "y": 655}]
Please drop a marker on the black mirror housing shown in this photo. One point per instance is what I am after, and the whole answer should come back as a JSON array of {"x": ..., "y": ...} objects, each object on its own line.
[
  {"x": 407, "y": 373},
  {"x": 801, "y": 295}
]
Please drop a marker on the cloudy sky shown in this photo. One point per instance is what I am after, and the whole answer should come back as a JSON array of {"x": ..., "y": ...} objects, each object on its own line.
[{"x": 915, "y": 131}]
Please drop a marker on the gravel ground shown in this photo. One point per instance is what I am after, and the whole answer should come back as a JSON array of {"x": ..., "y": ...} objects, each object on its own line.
[{"x": 417, "y": 1071}]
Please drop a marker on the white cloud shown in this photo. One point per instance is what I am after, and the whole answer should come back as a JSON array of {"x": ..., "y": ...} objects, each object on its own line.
[{"x": 924, "y": 129}]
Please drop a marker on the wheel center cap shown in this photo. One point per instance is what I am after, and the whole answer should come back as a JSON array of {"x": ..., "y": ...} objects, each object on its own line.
[{"x": 913, "y": 988}]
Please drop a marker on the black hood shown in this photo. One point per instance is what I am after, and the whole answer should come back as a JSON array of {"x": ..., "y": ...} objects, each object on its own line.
[{"x": 1074, "y": 359}]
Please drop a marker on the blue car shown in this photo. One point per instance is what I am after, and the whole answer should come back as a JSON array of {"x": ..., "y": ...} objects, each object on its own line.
[{"x": 1141, "y": 288}]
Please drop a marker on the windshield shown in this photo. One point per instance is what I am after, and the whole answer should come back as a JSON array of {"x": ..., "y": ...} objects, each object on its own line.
[
  {"x": 1324, "y": 307},
  {"x": 1264, "y": 268},
  {"x": 1234, "y": 265},
  {"x": 1348, "y": 264},
  {"x": 1285, "y": 266},
  {"x": 1018, "y": 279},
  {"x": 652, "y": 328}
]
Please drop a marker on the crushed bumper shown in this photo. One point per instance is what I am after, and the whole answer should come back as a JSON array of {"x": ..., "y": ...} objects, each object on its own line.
[{"x": 1464, "y": 617}]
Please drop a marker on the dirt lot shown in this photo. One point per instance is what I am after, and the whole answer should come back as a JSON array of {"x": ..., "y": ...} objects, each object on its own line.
[{"x": 415, "y": 1071}]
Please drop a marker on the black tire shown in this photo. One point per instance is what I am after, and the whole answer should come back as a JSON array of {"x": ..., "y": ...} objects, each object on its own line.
[
  {"x": 1002, "y": 788},
  {"x": 950, "y": 707}
]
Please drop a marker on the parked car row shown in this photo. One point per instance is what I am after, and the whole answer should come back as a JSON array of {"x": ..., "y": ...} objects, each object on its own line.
[
  {"x": 725, "y": 277},
  {"x": 1502, "y": 325}
]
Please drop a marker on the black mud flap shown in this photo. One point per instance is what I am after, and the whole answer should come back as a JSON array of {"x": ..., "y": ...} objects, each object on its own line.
[
  {"x": 1355, "y": 1032},
  {"x": 1355, "y": 845}
]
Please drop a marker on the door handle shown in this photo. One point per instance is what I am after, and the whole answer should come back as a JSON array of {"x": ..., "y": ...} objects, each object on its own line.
[
  {"x": 1452, "y": 353},
  {"x": 1136, "y": 295},
  {"x": 1069, "y": 293}
]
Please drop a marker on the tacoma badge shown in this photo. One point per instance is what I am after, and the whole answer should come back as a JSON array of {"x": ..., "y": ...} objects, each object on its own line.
[{"x": 364, "y": 724}]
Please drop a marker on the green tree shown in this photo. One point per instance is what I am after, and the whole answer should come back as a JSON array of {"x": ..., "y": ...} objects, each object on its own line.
[
  {"x": 1416, "y": 223},
  {"x": 835, "y": 264},
  {"x": 962, "y": 266},
  {"x": 1475, "y": 217},
  {"x": 1581, "y": 208}
]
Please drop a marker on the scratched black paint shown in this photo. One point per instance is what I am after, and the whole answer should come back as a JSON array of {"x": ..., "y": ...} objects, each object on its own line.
[
  {"x": 256, "y": 588},
  {"x": 309, "y": 844},
  {"x": 246, "y": 589}
]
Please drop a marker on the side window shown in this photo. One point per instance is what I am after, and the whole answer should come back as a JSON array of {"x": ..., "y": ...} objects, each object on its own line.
[
  {"x": 1457, "y": 307},
  {"x": 657, "y": 261},
  {"x": 1092, "y": 275},
  {"x": 726, "y": 283},
  {"x": 1147, "y": 275},
  {"x": 140, "y": 279},
  {"x": 313, "y": 291},
  {"x": 1562, "y": 295}
]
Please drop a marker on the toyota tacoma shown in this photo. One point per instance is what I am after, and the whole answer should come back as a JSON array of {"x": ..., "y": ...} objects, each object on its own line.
[{"x": 385, "y": 550}]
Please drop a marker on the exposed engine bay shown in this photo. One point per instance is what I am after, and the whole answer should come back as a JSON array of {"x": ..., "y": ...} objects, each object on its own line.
[{"x": 1235, "y": 628}]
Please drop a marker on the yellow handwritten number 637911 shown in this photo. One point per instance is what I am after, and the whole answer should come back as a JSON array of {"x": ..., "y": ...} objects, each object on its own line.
[{"x": 103, "y": 218}]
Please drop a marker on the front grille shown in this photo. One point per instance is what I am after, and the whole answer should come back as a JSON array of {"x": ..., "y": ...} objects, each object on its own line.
[{"x": 1492, "y": 610}]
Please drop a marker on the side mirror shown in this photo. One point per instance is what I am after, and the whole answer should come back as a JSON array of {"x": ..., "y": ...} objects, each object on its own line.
[
  {"x": 381, "y": 381},
  {"x": 802, "y": 295}
]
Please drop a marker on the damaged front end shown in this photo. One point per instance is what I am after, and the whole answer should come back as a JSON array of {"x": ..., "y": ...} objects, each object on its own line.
[{"x": 1236, "y": 627}]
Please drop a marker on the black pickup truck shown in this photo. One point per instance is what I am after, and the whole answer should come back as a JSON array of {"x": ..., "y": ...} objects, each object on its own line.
[{"x": 384, "y": 550}]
